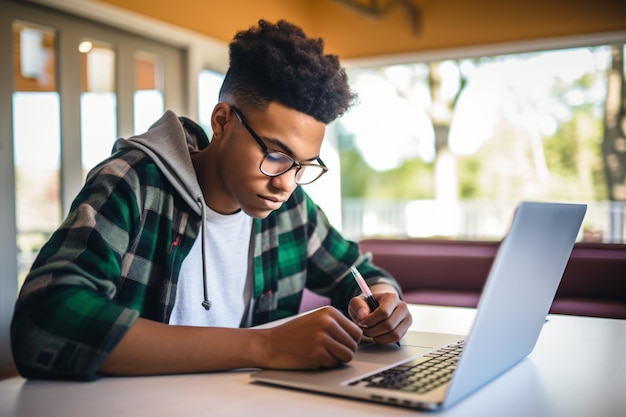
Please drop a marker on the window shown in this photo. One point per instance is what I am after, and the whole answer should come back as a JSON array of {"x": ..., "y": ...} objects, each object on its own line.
[
  {"x": 36, "y": 144},
  {"x": 447, "y": 149}
]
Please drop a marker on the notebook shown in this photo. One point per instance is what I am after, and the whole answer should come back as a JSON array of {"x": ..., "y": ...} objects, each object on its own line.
[{"x": 513, "y": 306}]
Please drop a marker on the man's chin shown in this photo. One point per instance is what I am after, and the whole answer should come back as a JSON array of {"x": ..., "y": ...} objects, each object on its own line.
[{"x": 258, "y": 214}]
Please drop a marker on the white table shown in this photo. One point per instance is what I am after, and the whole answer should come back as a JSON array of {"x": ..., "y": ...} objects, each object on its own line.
[{"x": 578, "y": 368}]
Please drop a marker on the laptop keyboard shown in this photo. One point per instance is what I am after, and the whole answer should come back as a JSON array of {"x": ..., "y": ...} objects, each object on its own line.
[{"x": 418, "y": 375}]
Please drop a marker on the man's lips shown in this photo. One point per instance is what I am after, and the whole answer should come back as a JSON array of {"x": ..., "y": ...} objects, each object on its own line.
[{"x": 272, "y": 202}]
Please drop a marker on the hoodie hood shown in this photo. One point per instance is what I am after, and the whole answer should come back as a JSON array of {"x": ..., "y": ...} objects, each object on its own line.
[{"x": 168, "y": 143}]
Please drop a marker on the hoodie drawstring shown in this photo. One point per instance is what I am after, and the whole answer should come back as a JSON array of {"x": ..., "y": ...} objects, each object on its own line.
[{"x": 205, "y": 303}]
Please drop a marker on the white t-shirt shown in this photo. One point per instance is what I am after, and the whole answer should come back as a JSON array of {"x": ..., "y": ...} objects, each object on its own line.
[{"x": 227, "y": 247}]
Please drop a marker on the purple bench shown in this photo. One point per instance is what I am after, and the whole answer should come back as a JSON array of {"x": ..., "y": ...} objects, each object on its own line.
[{"x": 453, "y": 272}]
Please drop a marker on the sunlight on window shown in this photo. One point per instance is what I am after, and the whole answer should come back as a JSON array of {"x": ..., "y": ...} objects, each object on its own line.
[
  {"x": 389, "y": 128},
  {"x": 149, "y": 103},
  {"x": 98, "y": 103},
  {"x": 98, "y": 127},
  {"x": 37, "y": 153},
  {"x": 209, "y": 83},
  {"x": 149, "y": 107},
  {"x": 484, "y": 132}
]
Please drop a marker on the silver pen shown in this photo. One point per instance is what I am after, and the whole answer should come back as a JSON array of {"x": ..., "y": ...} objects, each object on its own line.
[{"x": 365, "y": 289}]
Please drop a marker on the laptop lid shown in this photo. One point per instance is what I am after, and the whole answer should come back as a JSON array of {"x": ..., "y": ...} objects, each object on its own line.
[
  {"x": 518, "y": 293},
  {"x": 513, "y": 306}
]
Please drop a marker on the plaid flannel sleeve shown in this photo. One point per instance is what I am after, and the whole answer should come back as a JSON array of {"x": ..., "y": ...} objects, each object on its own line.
[
  {"x": 65, "y": 322},
  {"x": 330, "y": 257}
]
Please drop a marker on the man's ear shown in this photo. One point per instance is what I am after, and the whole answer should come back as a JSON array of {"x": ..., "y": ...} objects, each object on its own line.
[{"x": 219, "y": 118}]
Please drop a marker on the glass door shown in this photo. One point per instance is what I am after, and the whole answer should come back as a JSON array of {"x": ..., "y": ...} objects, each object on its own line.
[{"x": 75, "y": 87}]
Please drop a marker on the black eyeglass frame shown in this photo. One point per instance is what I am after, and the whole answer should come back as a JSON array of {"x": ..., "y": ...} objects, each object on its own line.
[{"x": 267, "y": 150}]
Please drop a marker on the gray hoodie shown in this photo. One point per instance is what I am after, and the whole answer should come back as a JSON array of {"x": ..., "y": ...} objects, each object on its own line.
[{"x": 168, "y": 143}]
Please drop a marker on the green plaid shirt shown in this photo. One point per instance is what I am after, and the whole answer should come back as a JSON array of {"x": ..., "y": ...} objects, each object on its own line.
[{"x": 118, "y": 254}]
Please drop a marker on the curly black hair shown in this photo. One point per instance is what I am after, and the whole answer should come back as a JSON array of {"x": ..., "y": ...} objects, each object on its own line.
[{"x": 278, "y": 62}]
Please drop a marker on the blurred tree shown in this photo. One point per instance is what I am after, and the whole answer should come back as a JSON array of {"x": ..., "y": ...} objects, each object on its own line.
[{"x": 614, "y": 142}]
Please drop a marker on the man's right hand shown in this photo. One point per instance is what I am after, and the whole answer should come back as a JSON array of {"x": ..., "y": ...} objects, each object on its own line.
[{"x": 321, "y": 339}]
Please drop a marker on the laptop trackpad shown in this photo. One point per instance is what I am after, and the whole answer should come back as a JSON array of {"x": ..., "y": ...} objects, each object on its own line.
[{"x": 413, "y": 344}]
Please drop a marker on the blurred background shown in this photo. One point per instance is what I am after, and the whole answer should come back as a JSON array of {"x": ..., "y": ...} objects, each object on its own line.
[{"x": 467, "y": 107}]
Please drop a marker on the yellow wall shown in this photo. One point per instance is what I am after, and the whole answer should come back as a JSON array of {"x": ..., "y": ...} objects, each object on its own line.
[{"x": 444, "y": 23}]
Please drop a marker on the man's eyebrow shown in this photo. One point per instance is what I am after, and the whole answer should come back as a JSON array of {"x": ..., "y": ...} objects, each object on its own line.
[
  {"x": 280, "y": 144},
  {"x": 285, "y": 148}
]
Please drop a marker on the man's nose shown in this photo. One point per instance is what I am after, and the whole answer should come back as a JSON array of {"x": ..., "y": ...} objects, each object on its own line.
[{"x": 286, "y": 181}]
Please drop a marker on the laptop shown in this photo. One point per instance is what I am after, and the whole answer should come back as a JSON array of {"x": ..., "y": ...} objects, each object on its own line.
[{"x": 514, "y": 303}]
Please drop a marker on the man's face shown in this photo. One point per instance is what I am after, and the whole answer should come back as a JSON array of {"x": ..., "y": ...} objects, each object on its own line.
[{"x": 280, "y": 128}]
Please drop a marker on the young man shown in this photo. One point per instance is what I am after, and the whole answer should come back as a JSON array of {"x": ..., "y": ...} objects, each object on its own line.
[{"x": 176, "y": 247}]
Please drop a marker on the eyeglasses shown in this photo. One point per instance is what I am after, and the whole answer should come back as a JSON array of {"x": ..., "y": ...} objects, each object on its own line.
[{"x": 276, "y": 163}]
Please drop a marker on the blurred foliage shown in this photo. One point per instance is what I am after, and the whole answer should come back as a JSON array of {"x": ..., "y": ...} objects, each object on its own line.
[
  {"x": 574, "y": 156},
  {"x": 413, "y": 179},
  {"x": 514, "y": 163}
]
